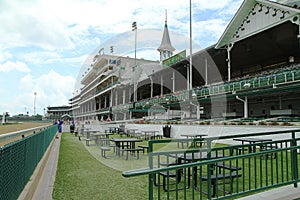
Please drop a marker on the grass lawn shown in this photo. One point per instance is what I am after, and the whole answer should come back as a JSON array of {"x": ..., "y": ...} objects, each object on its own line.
[{"x": 82, "y": 176}]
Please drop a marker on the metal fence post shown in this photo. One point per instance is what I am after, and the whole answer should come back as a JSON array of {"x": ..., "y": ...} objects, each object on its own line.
[
  {"x": 294, "y": 159},
  {"x": 150, "y": 176}
]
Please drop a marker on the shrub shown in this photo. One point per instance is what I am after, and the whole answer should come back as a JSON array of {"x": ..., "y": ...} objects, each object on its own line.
[
  {"x": 262, "y": 123},
  {"x": 241, "y": 123},
  {"x": 286, "y": 124},
  {"x": 273, "y": 123}
]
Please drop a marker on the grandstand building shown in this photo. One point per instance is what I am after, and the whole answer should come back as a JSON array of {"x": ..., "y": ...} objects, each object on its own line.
[{"x": 252, "y": 71}]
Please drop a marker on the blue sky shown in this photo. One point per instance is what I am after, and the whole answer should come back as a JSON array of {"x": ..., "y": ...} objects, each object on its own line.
[{"x": 43, "y": 44}]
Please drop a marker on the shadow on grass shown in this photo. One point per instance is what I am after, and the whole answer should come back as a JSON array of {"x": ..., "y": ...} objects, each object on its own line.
[{"x": 81, "y": 176}]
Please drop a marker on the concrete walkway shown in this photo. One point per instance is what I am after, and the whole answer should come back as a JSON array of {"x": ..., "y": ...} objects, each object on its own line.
[
  {"x": 41, "y": 184},
  {"x": 288, "y": 192}
]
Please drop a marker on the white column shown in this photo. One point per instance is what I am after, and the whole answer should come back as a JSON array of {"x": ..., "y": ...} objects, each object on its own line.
[
  {"x": 246, "y": 108},
  {"x": 198, "y": 111},
  {"x": 151, "y": 85},
  {"x": 124, "y": 95},
  {"x": 116, "y": 98},
  {"x": 229, "y": 61},
  {"x": 129, "y": 95},
  {"x": 245, "y": 105},
  {"x": 206, "y": 72},
  {"x": 161, "y": 85},
  {"x": 187, "y": 77},
  {"x": 173, "y": 81},
  {"x": 111, "y": 98}
]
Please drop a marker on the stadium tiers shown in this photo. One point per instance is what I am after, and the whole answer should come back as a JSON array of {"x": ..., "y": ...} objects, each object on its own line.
[{"x": 261, "y": 65}]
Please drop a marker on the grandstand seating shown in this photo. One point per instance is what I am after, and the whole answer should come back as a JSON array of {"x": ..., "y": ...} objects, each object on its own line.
[{"x": 284, "y": 75}]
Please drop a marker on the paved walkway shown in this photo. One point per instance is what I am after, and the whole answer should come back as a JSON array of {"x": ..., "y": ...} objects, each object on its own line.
[
  {"x": 46, "y": 183},
  {"x": 41, "y": 184},
  {"x": 288, "y": 192}
]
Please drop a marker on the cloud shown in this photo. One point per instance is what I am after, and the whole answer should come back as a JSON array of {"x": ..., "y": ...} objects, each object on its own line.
[
  {"x": 5, "y": 55},
  {"x": 58, "y": 34},
  {"x": 65, "y": 24},
  {"x": 14, "y": 66},
  {"x": 52, "y": 88},
  {"x": 50, "y": 57}
]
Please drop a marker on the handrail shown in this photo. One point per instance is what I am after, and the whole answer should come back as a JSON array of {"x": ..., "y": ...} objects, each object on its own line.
[
  {"x": 147, "y": 171},
  {"x": 283, "y": 170}
]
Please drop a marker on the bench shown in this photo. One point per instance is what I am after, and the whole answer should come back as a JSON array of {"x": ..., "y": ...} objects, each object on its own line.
[
  {"x": 104, "y": 150},
  {"x": 132, "y": 151},
  {"x": 87, "y": 141},
  {"x": 229, "y": 167},
  {"x": 144, "y": 147},
  {"x": 217, "y": 177},
  {"x": 167, "y": 174},
  {"x": 266, "y": 147}
]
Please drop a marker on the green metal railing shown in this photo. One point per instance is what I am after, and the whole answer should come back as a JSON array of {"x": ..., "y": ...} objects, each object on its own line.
[
  {"x": 19, "y": 159},
  {"x": 216, "y": 170},
  {"x": 260, "y": 81}
]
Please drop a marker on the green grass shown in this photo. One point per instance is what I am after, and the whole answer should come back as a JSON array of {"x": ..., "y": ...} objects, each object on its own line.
[{"x": 82, "y": 176}]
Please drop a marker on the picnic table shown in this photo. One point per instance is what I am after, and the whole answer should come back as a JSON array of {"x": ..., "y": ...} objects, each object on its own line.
[
  {"x": 194, "y": 136},
  {"x": 149, "y": 133},
  {"x": 102, "y": 137},
  {"x": 122, "y": 143},
  {"x": 252, "y": 141},
  {"x": 200, "y": 156}
]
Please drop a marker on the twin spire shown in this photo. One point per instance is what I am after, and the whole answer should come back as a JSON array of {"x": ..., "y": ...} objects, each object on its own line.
[{"x": 165, "y": 49}]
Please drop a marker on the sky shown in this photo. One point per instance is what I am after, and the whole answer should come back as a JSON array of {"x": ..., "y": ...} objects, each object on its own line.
[{"x": 44, "y": 44}]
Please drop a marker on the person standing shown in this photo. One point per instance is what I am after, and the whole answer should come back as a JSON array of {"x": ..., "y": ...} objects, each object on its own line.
[{"x": 60, "y": 122}]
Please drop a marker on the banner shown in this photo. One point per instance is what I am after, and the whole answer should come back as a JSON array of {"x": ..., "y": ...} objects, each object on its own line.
[{"x": 174, "y": 59}]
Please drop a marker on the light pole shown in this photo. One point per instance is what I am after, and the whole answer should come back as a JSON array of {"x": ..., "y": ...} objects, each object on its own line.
[
  {"x": 134, "y": 28},
  {"x": 34, "y": 108},
  {"x": 191, "y": 61}
]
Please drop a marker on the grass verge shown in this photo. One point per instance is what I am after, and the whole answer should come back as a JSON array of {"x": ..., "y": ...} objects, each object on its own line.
[{"x": 81, "y": 176}]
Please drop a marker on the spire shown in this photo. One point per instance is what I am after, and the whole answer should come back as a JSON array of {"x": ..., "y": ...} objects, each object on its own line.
[{"x": 166, "y": 49}]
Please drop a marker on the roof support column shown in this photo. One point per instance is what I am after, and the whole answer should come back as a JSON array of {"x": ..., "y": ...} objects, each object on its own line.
[
  {"x": 129, "y": 94},
  {"x": 124, "y": 95},
  {"x": 206, "y": 72},
  {"x": 173, "y": 81},
  {"x": 161, "y": 85},
  {"x": 229, "y": 47},
  {"x": 187, "y": 78},
  {"x": 245, "y": 105},
  {"x": 116, "y": 97},
  {"x": 151, "y": 86},
  {"x": 111, "y": 98}
]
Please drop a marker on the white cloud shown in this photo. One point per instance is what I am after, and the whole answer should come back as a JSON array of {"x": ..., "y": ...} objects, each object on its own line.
[
  {"x": 51, "y": 88},
  {"x": 14, "y": 66},
  {"x": 63, "y": 24},
  {"x": 5, "y": 55},
  {"x": 211, "y": 4},
  {"x": 60, "y": 33},
  {"x": 50, "y": 57}
]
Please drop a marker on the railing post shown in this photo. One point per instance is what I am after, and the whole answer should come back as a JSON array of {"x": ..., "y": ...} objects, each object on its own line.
[
  {"x": 150, "y": 176},
  {"x": 294, "y": 159},
  {"x": 208, "y": 169}
]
